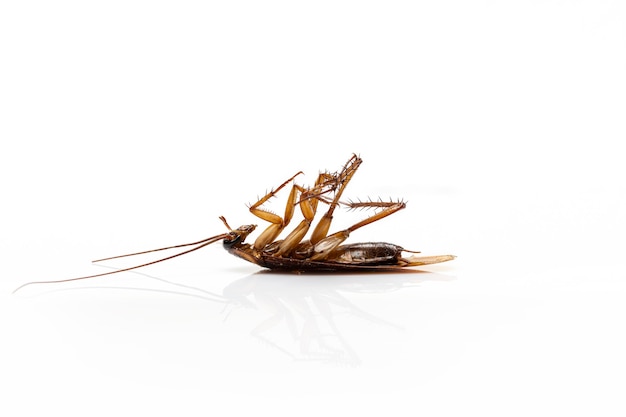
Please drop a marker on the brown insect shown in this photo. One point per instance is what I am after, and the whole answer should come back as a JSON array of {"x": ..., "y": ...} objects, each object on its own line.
[{"x": 321, "y": 252}]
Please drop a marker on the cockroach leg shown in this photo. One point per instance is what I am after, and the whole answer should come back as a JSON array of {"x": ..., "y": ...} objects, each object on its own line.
[
  {"x": 388, "y": 208},
  {"x": 344, "y": 177},
  {"x": 308, "y": 202},
  {"x": 277, "y": 223},
  {"x": 308, "y": 208},
  {"x": 309, "y": 199},
  {"x": 325, "y": 246}
]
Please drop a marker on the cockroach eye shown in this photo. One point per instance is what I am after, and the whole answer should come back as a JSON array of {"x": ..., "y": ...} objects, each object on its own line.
[{"x": 231, "y": 240}]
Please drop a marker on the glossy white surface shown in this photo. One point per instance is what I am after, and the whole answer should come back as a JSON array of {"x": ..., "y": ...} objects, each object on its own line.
[{"x": 136, "y": 125}]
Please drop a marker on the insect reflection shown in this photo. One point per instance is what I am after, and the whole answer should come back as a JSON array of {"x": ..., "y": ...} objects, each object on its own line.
[{"x": 304, "y": 321}]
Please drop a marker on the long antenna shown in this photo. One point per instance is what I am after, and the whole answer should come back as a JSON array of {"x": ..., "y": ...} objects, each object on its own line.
[
  {"x": 155, "y": 250},
  {"x": 200, "y": 244}
]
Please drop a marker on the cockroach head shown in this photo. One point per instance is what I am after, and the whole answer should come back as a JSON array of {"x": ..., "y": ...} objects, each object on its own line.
[{"x": 238, "y": 235}]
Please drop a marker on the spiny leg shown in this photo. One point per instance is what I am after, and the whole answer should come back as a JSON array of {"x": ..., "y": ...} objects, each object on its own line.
[
  {"x": 309, "y": 199},
  {"x": 324, "y": 247},
  {"x": 343, "y": 178},
  {"x": 324, "y": 184},
  {"x": 277, "y": 223},
  {"x": 308, "y": 208},
  {"x": 308, "y": 202},
  {"x": 388, "y": 208}
]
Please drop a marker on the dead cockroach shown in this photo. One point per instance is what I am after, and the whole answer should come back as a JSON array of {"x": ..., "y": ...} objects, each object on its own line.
[{"x": 321, "y": 252}]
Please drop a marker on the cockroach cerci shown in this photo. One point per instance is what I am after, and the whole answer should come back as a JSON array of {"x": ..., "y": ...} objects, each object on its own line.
[{"x": 321, "y": 252}]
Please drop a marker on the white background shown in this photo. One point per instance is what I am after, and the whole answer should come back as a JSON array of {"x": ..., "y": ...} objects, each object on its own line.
[{"x": 129, "y": 125}]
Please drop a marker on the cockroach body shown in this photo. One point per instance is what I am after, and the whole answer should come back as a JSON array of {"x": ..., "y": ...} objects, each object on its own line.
[
  {"x": 321, "y": 252},
  {"x": 351, "y": 257}
]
